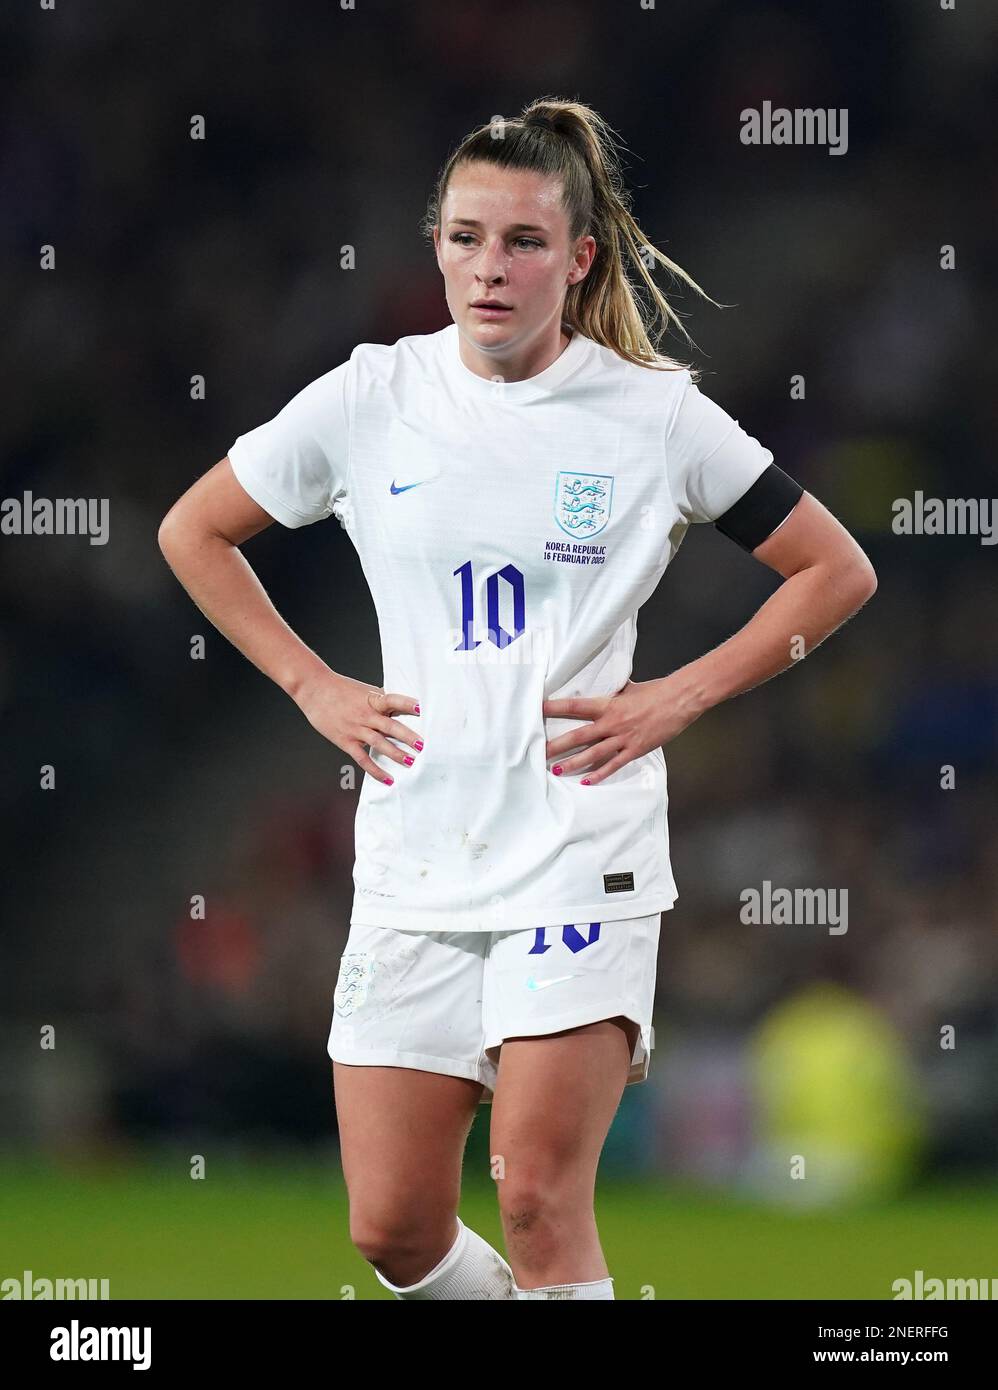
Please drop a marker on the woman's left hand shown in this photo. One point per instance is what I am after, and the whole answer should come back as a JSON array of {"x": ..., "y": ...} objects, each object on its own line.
[{"x": 641, "y": 716}]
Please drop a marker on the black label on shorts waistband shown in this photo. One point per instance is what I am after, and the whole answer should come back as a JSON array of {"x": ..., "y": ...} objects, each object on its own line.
[{"x": 618, "y": 883}]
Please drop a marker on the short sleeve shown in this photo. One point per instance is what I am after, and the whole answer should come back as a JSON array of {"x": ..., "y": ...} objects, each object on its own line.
[
  {"x": 711, "y": 461},
  {"x": 296, "y": 466}
]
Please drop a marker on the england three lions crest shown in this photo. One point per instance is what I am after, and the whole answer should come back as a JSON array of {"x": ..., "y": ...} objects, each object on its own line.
[{"x": 582, "y": 502}]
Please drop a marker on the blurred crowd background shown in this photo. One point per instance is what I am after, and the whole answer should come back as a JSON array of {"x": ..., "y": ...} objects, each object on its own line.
[{"x": 175, "y": 777}]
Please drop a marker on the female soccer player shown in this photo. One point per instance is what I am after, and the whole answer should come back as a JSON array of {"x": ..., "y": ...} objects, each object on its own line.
[{"x": 515, "y": 485}]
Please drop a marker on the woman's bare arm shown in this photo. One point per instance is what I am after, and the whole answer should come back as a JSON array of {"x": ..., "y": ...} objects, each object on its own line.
[
  {"x": 827, "y": 578},
  {"x": 200, "y": 538}
]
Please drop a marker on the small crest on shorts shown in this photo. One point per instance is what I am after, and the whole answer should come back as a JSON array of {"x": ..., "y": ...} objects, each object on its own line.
[
  {"x": 353, "y": 983},
  {"x": 582, "y": 502}
]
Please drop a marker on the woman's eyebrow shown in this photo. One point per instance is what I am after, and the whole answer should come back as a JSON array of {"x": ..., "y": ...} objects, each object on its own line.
[{"x": 516, "y": 227}]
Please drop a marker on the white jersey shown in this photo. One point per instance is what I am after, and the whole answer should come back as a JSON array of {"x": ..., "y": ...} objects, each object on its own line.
[{"x": 509, "y": 533}]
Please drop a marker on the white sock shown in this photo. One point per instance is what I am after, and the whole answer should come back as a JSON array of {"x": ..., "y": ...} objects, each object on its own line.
[
  {"x": 470, "y": 1269},
  {"x": 599, "y": 1288}
]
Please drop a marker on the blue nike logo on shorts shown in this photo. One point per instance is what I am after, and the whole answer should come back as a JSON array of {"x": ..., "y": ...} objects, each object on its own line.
[{"x": 406, "y": 486}]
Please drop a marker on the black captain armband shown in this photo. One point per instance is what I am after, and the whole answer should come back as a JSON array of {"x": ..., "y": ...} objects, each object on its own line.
[{"x": 758, "y": 512}]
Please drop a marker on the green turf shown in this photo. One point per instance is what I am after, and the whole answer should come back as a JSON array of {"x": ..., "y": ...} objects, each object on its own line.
[{"x": 278, "y": 1229}]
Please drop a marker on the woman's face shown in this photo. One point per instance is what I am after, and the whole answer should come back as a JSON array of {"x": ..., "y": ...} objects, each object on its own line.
[{"x": 503, "y": 235}]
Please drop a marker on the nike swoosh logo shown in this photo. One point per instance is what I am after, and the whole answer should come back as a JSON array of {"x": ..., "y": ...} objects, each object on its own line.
[
  {"x": 406, "y": 486},
  {"x": 543, "y": 984}
]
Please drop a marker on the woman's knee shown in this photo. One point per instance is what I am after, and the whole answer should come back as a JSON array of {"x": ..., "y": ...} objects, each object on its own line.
[
  {"x": 534, "y": 1208},
  {"x": 393, "y": 1238}
]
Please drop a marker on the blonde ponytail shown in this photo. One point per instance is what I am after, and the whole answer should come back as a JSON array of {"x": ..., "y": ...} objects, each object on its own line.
[{"x": 572, "y": 141}]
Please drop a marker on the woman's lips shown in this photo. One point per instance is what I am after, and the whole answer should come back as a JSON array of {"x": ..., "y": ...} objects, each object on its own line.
[{"x": 490, "y": 311}]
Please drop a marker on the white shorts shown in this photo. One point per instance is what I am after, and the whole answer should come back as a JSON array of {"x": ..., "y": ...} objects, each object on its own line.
[{"x": 445, "y": 1001}]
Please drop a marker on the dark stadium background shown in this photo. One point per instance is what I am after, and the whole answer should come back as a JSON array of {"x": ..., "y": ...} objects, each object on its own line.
[{"x": 221, "y": 257}]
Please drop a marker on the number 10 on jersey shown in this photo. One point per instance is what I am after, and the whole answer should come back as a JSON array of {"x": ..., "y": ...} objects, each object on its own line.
[{"x": 512, "y": 577}]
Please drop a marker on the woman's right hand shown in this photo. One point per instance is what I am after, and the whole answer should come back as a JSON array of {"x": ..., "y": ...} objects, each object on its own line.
[{"x": 356, "y": 716}]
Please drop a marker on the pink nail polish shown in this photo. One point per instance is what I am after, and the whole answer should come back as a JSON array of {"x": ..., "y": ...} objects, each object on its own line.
[
  {"x": 416, "y": 710},
  {"x": 390, "y": 781},
  {"x": 586, "y": 782},
  {"x": 557, "y": 769},
  {"x": 408, "y": 761},
  {"x": 418, "y": 744}
]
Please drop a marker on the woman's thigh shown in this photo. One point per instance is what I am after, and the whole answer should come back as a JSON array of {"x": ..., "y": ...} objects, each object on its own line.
[
  {"x": 555, "y": 1099},
  {"x": 565, "y": 1007},
  {"x": 402, "y": 1138}
]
